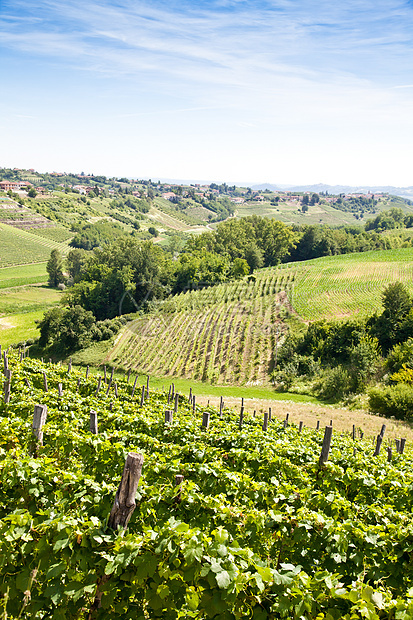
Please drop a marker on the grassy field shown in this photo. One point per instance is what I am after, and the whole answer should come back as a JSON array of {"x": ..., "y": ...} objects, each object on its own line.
[
  {"x": 228, "y": 334},
  {"x": 21, "y": 275},
  {"x": 22, "y": 306}
]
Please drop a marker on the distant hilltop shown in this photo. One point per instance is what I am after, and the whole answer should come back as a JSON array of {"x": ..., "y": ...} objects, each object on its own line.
[{"x": 404, "y": 192}]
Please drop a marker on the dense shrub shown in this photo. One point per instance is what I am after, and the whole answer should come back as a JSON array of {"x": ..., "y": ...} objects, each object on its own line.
[
  {"x": 396, "y": 401},
  {"x": 334, "y": 384}
]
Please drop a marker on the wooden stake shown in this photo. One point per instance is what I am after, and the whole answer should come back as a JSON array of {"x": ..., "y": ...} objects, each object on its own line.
[
  {"x": 397, "y": 441},
  {"x": 60, "y": 389},
  {"x": 300, "y": 426},
  {"x": 124, "y": 503},
  {"x": 143, "y": 396},
  {"x": 69, "y": 367},
  {"x": 178, "y": 483},
  {"x": 241, "y": 416},
  {"x": 378, "y": 445},
  {"x": 93, "y": 422},
  {"x": 7, "y": 385},
  {"x": 389, "y": 454},
  {"x": 265, "y": 423},
  {"x": 402, "y": 444},
  {"x": 134, "y": 386},
  {"x": 325, "y": 450},
  {"x": 383, "y": 429},
  {"x": 317, "y": 428},
  {"x": 193, "y": 403},
  {"x": 79, "y": 381},
  {"x": 87, "y": 372},
  {"x": 205, "y": 419},
  {"x": 176, "y": 403},
  {"x": 45, "y": 382},
  {"x": 39, "y": 420},
  {"x": 116, "y": 390},
  {"x": 269, "y": 414},
  {"x": 221, "y": 407},
  {"x": 104, "y": 374},
  {"x": 168, "y": 416},
  {"x": 98, "y": 386}
]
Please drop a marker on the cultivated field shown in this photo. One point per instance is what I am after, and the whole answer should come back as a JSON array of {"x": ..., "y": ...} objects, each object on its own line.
[
  {"x": 228, "y": 333},
  {"x": 34, "y": 273},
  {"x": 19, "y": 247}
]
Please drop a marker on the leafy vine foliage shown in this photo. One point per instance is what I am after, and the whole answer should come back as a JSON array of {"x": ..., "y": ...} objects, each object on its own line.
[{"x": 259, "y": 532}]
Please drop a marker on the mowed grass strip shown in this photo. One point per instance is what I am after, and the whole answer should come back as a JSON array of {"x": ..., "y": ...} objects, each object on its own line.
[
  {"x": 24, "y": 299},
  {"x": 21, "y": 275}
]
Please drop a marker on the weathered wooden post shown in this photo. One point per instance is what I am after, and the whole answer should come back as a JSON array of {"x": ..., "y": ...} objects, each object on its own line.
[
  {"x": 378, "y": 445},
  {"x": 317, "y": 428},
  {"x": 60, "y": 390},
  {"x": 39, "y": 420},
  {"x": 331, "y": 422},
  {"x": 93, "y": 422},
  {"x": 325, "y": 449},
  {"x": 221, "y": 407},
  {"x": 104, "y": 374},
  {"x": 254, "y": 413},
  {"x": 143, "y": 396},
  {"x": 205, "y": 419},
  {"x": 389, "y": 454},
  {"x": 45, "y": 382},
  {"x": 265, "y": 423},
  {"x": 98, "y": 386},
  {"x": 193, "y": 403},
  {"x": 190, "y": 396},
  {"x": 402, "y": 444},
  {"x": 124, "y": 503},
  {"x": 134, "y": 386},
  {"x": 168, "y": 416},
  {"x": 383, "y": 429},
  {"x": 69, "y": 366},
  {"x": 7, "y": 385},
  {"x": 79, "y": 381},
  {"x": 169, "y": 394},
  {"x": 87, "y": 372},
  {"x": 397, "y": 441},
  {"x": 176, "y": 402},
  {"x": 354, "y": 432},
  {"x": 300, "y": 426},
  {"x": 116, "y": 390},
  {"x": 269, "y": 414},
  {"x": 178, "y": 485},
  {"x": 147, "y": 387}
]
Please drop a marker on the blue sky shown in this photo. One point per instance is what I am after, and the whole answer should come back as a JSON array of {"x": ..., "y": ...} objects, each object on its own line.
[{"x": 284, "y": 91}]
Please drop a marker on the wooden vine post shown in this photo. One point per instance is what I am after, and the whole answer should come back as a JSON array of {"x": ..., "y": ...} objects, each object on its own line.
[
  {"x": 168, "y": 416},
  {"x": 265, "y": 423},
  {"x": 178, "y": 484},
  {"x": 221, "y": 406},
  {"x": 93, "y": 422},
  {"x": 134, "y": 386},
  {"x": 7, "y": 385},
  {"x": 45, "y": 382},
  {"x": 402, "y": 444},
  {"x": 124, "y": 503},
  {"x": 98, "y": 386},
  {"x": 176, "y": 402},
  {"x": 121, "y": 512},
  {"x": 300, "y": 426},
  {"x": 325, "y": 449},
  {"x": 39, "y": 420},
  {"x": 205, "y": 419},
  {"x": 379, "y": 441},
  {"x": 143, "y": 396}
]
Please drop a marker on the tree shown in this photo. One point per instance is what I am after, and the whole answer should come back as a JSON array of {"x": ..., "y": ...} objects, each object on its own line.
[
  {"x": 32, "y": 193},
  {"x": 54, "y": 268}
]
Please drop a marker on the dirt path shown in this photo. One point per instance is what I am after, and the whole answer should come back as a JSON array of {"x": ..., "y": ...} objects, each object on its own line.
[{"x": 343, "y": 419}]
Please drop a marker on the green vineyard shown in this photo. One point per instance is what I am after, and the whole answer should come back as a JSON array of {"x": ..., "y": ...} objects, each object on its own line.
[
  {"x": 19, "y": 247},
  {"x": 232, "y": 518},
  {"x": 228, "y": 333},
  {"x": 221, "y": 334}
]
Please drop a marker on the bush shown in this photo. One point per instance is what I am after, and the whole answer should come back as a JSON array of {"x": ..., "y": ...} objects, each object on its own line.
[
  {"x": 396, "y": 401},
  {"x": 334, "y": 384}
]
